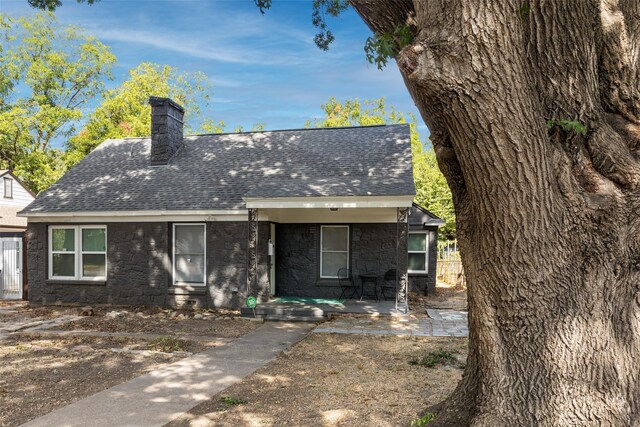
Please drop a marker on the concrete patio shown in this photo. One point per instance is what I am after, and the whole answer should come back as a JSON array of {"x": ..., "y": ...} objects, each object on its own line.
[
  {"x": 441, "y": 323},
  {"x": 319, "y": 312}
]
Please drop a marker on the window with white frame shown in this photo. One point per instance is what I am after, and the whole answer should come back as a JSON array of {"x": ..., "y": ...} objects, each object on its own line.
[
  {"x": 418, "y": 245},
  {"x": 8, "y": 188},
  {"x": 334, "y": 250},
  {"x": 189, "y": 253},
  {"x": 78, "y": 252}
]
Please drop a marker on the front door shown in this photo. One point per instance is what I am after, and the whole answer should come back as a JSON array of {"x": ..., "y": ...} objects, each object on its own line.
[{"x": 11, "y": 264}]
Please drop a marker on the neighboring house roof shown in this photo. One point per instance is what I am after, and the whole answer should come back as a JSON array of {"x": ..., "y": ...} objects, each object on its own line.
[
  {"x": 8, "y": 217},
  {"x": 217, "y": 171},
  {"x": 4, "y": 172},
  {"x": 422, "y": 217}
]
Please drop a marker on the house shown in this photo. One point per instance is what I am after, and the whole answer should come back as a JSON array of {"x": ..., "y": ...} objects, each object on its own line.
[
  {"x": 15, "y": 197},
  {"x": 209, "y": 220}
]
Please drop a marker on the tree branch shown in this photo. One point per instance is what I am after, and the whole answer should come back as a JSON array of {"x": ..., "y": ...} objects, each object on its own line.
[
  {"x": 611, "y": 157},
  {"x": 384, "y": 16},
  {"x": 619, "y": 58},
  {"x": 563, "y": 95}
]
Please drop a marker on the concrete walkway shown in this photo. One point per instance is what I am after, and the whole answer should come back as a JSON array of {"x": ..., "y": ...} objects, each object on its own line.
[
  {"x": 156, "y": 398},
  {"x": 441, "y": 323}
]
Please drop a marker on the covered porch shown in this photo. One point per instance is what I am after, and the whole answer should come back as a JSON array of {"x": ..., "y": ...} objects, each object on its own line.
[{"x": 316, "y": 245}]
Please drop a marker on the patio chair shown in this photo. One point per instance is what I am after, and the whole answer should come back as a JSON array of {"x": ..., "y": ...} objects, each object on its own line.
[
  {"x": 390, "y": 283},
  {"x": 346, "y": 283}
]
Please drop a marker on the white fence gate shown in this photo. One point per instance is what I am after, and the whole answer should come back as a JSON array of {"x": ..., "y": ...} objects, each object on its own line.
[
  {"x": 11, "y": 268},
  {"x": 449, "y": 266}
]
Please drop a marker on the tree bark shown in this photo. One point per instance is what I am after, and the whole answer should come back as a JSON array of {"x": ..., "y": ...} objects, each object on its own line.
[{"x": 548, "y": 217}]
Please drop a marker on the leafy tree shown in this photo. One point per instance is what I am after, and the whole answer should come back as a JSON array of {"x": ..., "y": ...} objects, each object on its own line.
[
  {"x": 49, "y": 73},
  {"x": 125, "y": 110},
  {"x": 432, "y": 190},
  {"x": 52, "y": 5},
  {"x": 534, "y": 112},
  {"x": 547, "y": 218},
  {"x": 257, "y": 127}
]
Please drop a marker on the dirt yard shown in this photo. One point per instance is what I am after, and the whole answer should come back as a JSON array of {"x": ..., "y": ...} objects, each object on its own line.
[
  {"x": 41, "y": 370},
  {"x": 337, "y": 380},
  {"x": 21, "y": 310},
  {"x": 447, "y": 297},
  {"x": 325, "y": 380},
  {"x": 40, "y": 374},
  {"x": 162, "y": 321}
]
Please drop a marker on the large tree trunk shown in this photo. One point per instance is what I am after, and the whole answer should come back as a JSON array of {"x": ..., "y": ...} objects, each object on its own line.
[{"x": 548, "y": 218}]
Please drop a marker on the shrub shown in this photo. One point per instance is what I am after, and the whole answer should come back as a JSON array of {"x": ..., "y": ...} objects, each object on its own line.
[
  {"x": 167, "y": 344},
  {"x": 229, "y": 401},
  {"x": 441, "y": 356},
  {"x": 423, "y": 420}
]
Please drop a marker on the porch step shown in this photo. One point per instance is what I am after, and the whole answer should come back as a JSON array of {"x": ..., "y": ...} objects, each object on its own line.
[
  {"x": 294, "y": 318},
  {"x": 289, "y": 313}
]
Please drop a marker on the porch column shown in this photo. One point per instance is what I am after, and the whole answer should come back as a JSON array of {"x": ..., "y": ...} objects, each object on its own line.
[
  {"x": 402, "y": 260},
  {"x": 252, "y": 254}
]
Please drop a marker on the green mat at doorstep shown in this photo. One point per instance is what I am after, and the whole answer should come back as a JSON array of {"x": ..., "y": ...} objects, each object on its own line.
[{"x": 304, "y": 300}]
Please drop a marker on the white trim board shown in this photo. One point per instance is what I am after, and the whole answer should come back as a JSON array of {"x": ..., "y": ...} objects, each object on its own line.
[
  {"x": 281, "y": 215},
  {"x": 331, "y": 202},
  {"x": 147, "y": 213},
  {"x": 140, "y": 216}
]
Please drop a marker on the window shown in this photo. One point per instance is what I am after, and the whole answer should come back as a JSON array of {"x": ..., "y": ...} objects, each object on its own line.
[
  {"x": 189, "y": 254},
  {"x": 334, "y": 250},
  {"x": 418, "y": 252},
  {"x": 78, "y": 252},
  {"x": 8, "y": 188}
]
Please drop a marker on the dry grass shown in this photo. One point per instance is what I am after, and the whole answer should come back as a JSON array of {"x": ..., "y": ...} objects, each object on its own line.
[
  {"x": 40, "y": 374},
  {"x": 155, "y": 320},
  {"x": 447, "y": 297},
  {"x": 336, "y": 380}
]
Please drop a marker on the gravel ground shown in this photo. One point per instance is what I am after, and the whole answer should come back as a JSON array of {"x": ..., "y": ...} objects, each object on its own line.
[{"x": 336, "y": 380}]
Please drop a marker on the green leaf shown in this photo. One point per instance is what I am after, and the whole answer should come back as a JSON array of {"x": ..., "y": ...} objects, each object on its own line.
[
  {"x": 381, "y": 47},
  {"x": 125, "y": 111},
  {"x": 575, "y": 126},
  {"x": 48, "y": 73},
  {"x": 432, "y": 190}
]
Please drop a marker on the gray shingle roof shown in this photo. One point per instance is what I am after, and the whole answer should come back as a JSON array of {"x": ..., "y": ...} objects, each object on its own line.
[
  {"x": 217, "y": 171},
  {"x": 419, "y": 216}
]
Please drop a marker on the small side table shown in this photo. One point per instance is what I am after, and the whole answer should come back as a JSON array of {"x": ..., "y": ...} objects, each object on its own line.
[{"x": 371, "y": 279}]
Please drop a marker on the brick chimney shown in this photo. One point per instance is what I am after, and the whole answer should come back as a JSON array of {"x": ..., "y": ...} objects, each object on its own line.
[{"x": 166, "y": 129}]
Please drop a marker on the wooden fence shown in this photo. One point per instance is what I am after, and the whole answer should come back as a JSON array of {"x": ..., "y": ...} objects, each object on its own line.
[{"x": 449, "y": 269}]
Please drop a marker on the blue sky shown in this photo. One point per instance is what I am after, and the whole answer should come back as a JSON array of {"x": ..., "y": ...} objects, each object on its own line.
[{"x": 264, "y": 68}]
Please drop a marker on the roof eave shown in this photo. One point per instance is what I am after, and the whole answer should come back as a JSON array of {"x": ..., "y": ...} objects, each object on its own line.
[{"x": 396, "y": 201}]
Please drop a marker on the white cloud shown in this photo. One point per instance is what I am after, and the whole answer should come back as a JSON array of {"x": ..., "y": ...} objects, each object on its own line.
[{"x": 187, "y": 45}]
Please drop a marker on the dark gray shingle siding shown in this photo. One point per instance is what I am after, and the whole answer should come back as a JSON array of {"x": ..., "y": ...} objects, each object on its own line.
[{"x": 217, "y": 171}]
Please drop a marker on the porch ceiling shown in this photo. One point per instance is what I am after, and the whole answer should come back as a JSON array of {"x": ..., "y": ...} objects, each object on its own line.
[{"x": 328, "y": 216}]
